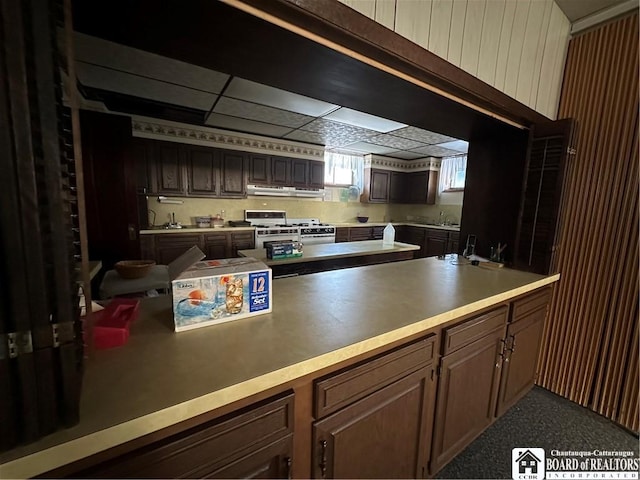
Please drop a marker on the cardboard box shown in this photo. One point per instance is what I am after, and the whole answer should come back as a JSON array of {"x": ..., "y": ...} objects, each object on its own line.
[
  {"x": 283, "y": 249},
  {"x": 215, "y": 291}
]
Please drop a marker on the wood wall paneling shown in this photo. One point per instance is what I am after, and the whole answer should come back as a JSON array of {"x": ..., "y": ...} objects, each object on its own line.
[
  {"x": 517, "y": 47},
  {"x": 590, "y": 352}
]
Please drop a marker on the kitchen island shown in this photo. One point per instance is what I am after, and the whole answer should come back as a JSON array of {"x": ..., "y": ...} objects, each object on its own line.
[
  {"x": 161, "y": 383},
  {"x": 332, "y": 256}
]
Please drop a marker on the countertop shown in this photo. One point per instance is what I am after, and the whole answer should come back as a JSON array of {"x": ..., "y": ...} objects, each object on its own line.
[
  {"x": 193, "y": 229},
  {"x": 160, "y": 378},
  {"x": 328, "y": 251}
]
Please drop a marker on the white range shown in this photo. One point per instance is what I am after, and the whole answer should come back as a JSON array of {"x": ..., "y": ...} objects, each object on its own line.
[{"x": 272, "y": 225}]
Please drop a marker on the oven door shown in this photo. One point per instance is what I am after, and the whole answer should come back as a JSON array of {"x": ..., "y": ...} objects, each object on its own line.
[{"x": 317, "y": 239}]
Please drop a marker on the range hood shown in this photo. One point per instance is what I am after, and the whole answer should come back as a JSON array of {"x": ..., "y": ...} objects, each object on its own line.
[{"x": 275, "y": 191}]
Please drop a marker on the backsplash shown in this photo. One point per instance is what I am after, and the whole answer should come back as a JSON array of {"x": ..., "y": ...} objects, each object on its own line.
[{"x": 326, "y": 211}]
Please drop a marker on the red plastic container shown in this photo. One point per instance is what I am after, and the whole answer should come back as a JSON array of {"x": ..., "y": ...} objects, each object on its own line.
[{"x": 111, "y": 327}]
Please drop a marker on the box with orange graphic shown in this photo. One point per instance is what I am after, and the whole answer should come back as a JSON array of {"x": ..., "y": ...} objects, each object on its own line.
[{"x": 215, "y": 291}]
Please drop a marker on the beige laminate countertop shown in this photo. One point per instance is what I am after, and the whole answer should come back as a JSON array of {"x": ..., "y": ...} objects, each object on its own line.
[
  {"x": 160, "y": 378},
  {"x": 329, "y": 251},
  {"x": 451, "y": 228},
  {"x": 191, "y": 229}
]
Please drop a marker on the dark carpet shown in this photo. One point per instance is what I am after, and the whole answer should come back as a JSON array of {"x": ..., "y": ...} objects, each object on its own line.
[{"x": 544, "y": 420}]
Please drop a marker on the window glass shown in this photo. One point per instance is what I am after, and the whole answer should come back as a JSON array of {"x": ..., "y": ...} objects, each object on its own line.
[
  {"x": 453, "y": 171},
  {"x": 343, "y": 169}
]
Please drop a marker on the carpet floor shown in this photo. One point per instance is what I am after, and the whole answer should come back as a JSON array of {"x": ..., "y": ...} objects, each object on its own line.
[{"x": 540, "y": 420}]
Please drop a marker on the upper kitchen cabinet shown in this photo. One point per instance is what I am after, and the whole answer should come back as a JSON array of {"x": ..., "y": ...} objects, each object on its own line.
[
  {"x": 283, "y": 171},
  {"x": 422, "y": 187},
  {"x": 203, "y": 168},
  {"x": 179, "y": 170},
  {"x": 383, "y": 186},
  {"x": 168, "y": 172},
  {"x": 376, "y": 186}
]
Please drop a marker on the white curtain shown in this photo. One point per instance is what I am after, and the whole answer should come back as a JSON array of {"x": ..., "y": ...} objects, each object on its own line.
[
  {"x": 343, "y": 169},
  {"x": 449, "y": 169}
]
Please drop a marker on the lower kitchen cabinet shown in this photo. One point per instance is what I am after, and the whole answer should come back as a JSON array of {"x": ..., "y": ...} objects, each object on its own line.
[
  {"x": 436, "y": 242},
  {"x": 241, "y": 241},
  {"x": 215, "y": 245},
  {"x": 170, "y": 246},
  {"x": 342, "y": 234},
  {"x": 453, "y": 246},
  {"x": 377, "y": 417},
  {"x": 255, "y": 443},
  {"x": 522, "y": 344}
]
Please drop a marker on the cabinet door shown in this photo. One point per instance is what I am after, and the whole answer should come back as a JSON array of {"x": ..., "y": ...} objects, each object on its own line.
[
  {"x": 316, "y": 174},
  {"x": 203, "y": 168},
  {"x": 414, "y": 236},
  {"x": 357, "y": 234},
  {"x": 280, "y": 170},
  {"x": 233, "y": 174},
  {"x": 453, "y": 246},
  {"x": 259, "y": 166},
  {"x": 170, "y": 246},
  {"x": 397, "y": 187},
  {"x": 272, "y": 461},
  {"x": 467, "y": 391},
  {"x": 242, "y": 241},
  {"x": 521, "y": 355},
  {"x": 169, "y": 169},
  {"x": 379, "y": 186},
  {"x": 417, "y": 186},
  {"x": 342, "y": 234},
  {"x": 377, "y": 233},
  {"x": 380, "y": 436},
  {"x": 299, "y": 173},
  {"x": 216, "y": 245},
  {"x": 436, "y": 243}
]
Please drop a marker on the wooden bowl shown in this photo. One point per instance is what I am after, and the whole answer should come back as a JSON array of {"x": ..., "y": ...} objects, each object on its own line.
[{"x": 131, "y": 269}]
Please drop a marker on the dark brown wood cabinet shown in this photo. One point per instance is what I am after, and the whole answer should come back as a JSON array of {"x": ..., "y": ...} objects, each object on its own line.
[
  {"x": 299, "y": 172},
  {"x": 414, "y": 236},
  {"x": 259, "y": 169},
  {"x": 384, "y": 186},
  {"x": 453, "y": 245},
  {"x": 397, "y": 187},
  {"x": 436, "y": 242},
  {"x": 342, "y": 234},
  {"x": 376, "y": 186},
  {"x": 374, "y": 419},
  {"x": 283, "y": 171},
  {"x": 316, "y": 174},
  {"x": 468, "y": 384},
  {"x": 166, "y": 247},
  {"x": 233, "y": 178},
  {"x": 169, "y": 169},
  {"x": 255, "y": 443},
  {"x": 422, "y": 187},
  {"x": 202, "y": 167},
  {"x": 280, "y": 171},
  {"x": 170, "y": 246},
  {"x": 522, "y": 344}
]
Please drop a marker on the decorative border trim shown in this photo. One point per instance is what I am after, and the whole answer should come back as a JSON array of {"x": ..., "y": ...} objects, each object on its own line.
[
  {"x": 397, "y": 165},
  {"x": 176, "y": 132}
]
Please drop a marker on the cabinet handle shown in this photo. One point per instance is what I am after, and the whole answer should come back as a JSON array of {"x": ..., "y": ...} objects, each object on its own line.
[
  {"x": 323, "y": 458},
  {"x": 513, "y": 343},
  {"x": 287, "y": 463},
  {"x": 500, "y": 356}
]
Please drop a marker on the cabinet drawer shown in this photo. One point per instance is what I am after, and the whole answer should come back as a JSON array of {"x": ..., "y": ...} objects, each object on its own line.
[
  {"x": 535, "y": 301},
  {"x": 473, "y": 329},
  {"x": 210, "y": 447},
  {"x": 242, "y": 236},
  {"x": 175, "y": 239},
  {"x": 433, "y": 233},
  {"x": 342, "y": 389}
]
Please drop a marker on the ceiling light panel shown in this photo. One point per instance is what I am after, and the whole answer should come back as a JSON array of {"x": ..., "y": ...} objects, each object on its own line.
[
  {"x": 244, "y": 125},
  {"x": 336, "y": 134},
  {"x": 365, "y": 147},
  {"x": 261, "y": 113},
  {"x": 435, "y": 151},
  {"x": 396, "y": 143},
  {"x": 113, "y": 55},
  {"x": 363, "y": 120},
  {"x": 420, "y": 135},
  {"x": 406, "y": 155},
  {"x": 457, "y": 145},
  {"x": 116, "y": 81},
  {"x": 274, "y": 97}
]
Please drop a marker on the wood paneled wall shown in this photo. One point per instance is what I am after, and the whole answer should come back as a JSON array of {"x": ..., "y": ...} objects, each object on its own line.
[
  {"x": 517, "y": 47},
  {"x": 590, "y": 352}
]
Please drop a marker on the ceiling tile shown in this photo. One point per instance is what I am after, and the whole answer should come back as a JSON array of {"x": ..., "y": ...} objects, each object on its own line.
[
  {"x": 336, "y": 134},
  {"x": 420, "y": 135},
  {"x": 435, "y": 151},
  {"x": 363, "y": 120},
  {"x": 397, "y": 143},
  {"x": 405, "y": 155},
  {"x": 457, "y": 145},
  {"x": 274, "y": 97},
  {"x": 112, "y": 55},
  {"x": 365, "y": 147},
  {"x": 304, "y": 136},
  {"x": 116, "y": 81},
  {"x": 261, "y": 113},
  {"x": 250, "y": 126}
]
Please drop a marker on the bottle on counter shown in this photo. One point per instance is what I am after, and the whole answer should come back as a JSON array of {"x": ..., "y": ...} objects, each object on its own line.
[{"x": 388, "y": 236}]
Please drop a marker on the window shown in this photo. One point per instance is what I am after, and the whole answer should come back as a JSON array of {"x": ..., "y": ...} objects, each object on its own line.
[
  {"x": 453, "y": 172},
  {"x": 343, "y": 169}
]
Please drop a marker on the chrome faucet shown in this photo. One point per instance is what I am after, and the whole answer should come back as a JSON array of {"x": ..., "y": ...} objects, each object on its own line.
[{"x": 442, "y": 218}]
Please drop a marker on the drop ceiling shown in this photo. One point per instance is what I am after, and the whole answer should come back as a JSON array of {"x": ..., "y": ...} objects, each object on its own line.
[{"x": 131, "y": 80}]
